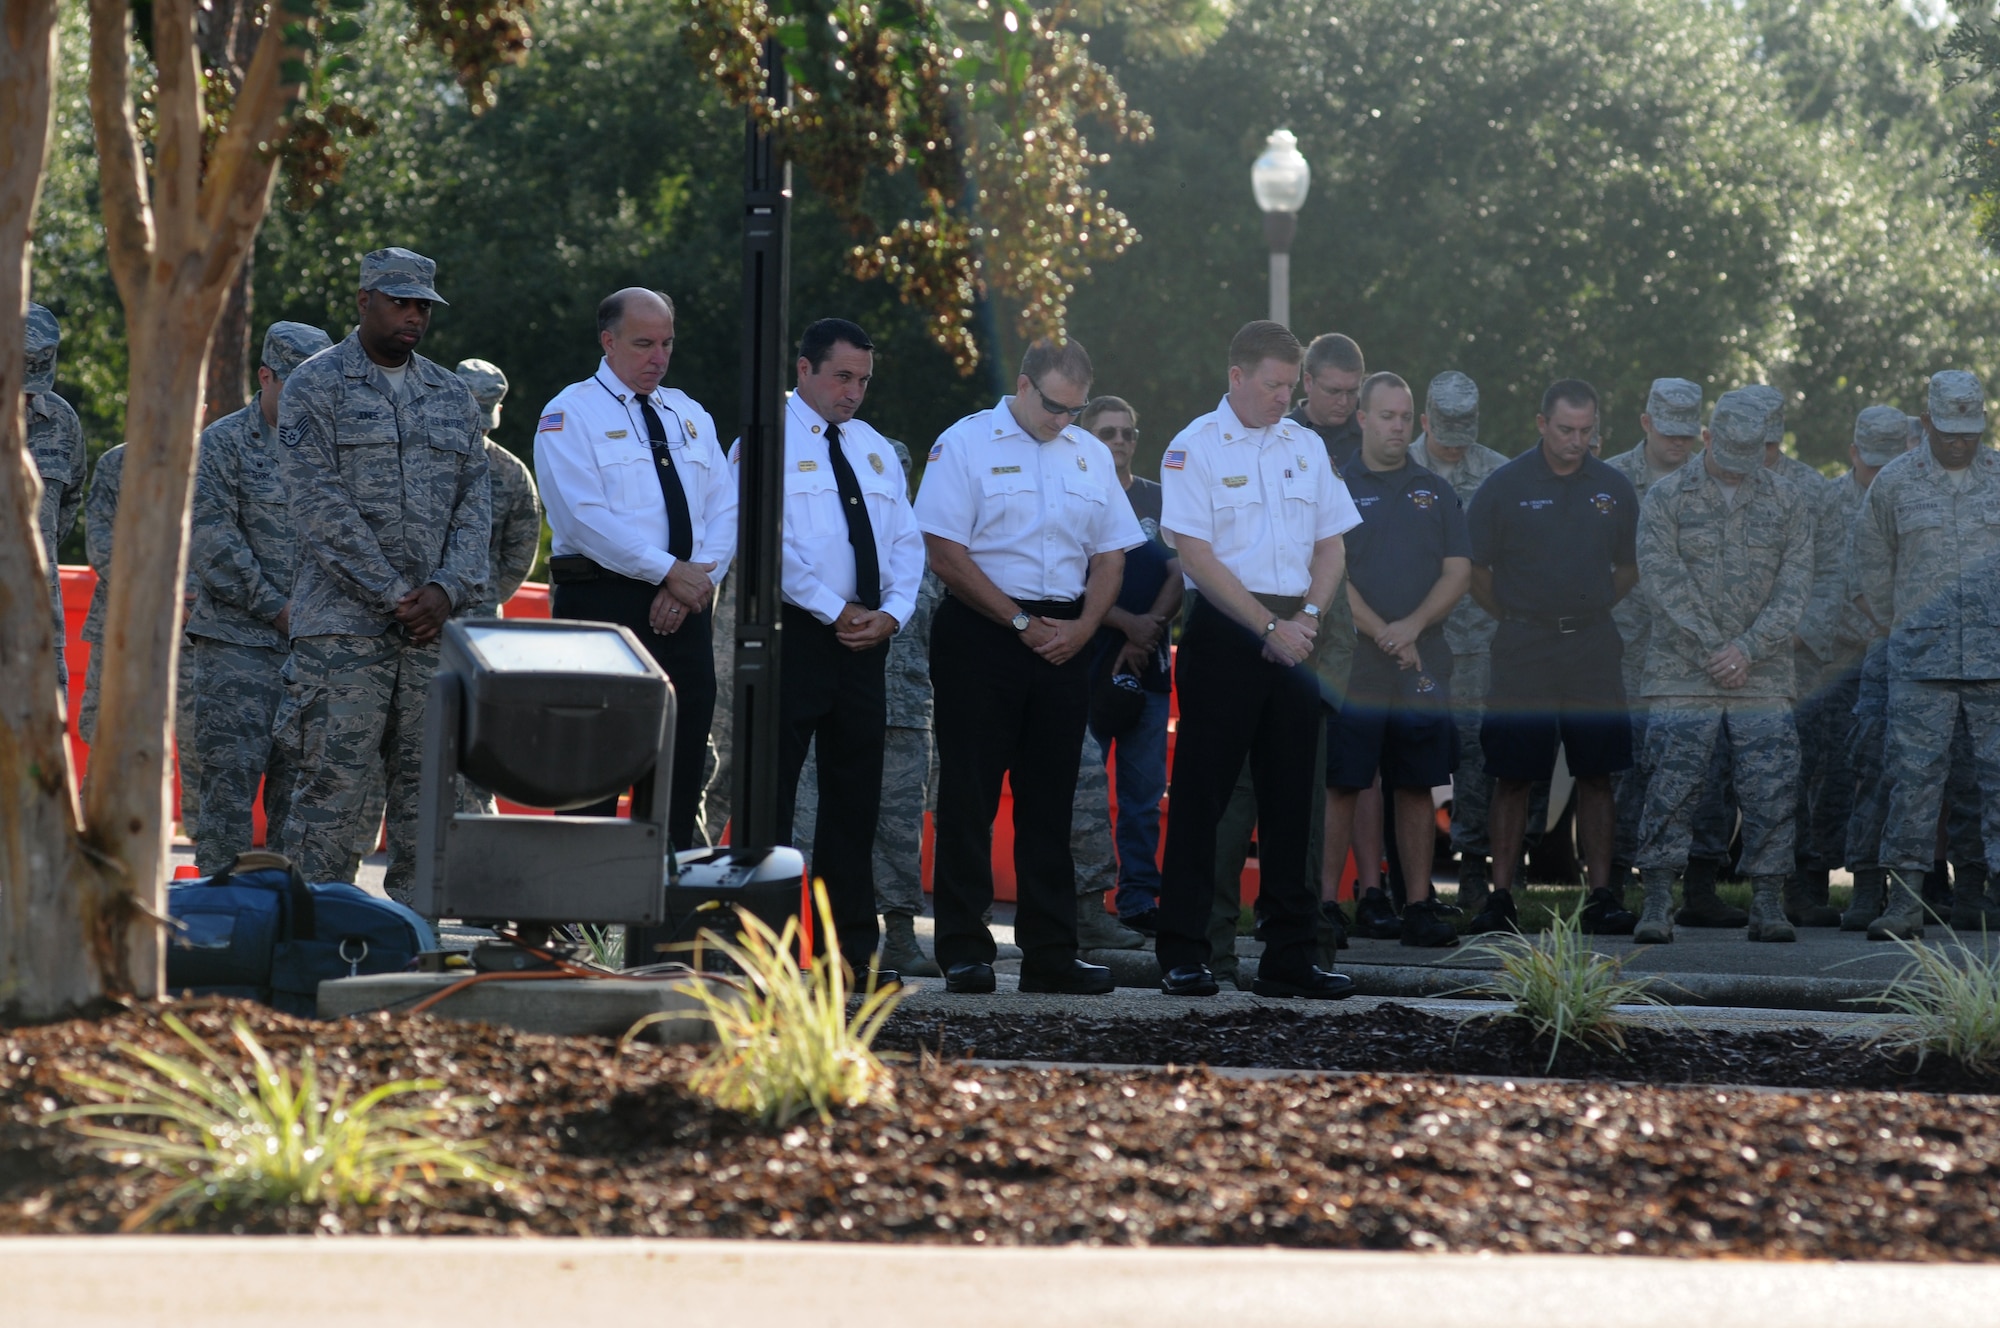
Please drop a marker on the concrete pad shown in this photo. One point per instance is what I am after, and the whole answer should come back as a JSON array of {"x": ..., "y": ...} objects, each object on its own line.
[
  {"x": 302, "y": 1282},
  {"x": 603, "y": 1007}
]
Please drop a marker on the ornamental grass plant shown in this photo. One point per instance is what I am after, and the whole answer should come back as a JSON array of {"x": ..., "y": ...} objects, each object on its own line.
[
  {"x": 268, "y": 1139},
  {"x": 1562, "y": 987},
  {"x": 1946, "y": 1002},
  {"x": 785, "y": 1042}
]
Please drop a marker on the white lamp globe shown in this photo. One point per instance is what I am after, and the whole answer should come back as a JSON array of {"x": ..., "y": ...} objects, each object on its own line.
[{"x": 1281, "y": 177}]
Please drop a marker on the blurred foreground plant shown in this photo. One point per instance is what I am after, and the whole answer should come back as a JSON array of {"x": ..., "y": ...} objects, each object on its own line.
[
  {"x": 1564, "y": 989},
  {"x": 233, "y": 1142},
  {"x": 1950, "y": 1005},
  {"x": 784, "y": 1041}
]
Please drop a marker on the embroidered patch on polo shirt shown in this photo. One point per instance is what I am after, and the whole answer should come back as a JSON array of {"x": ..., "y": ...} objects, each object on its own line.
[{"x": 550, "y": 423}]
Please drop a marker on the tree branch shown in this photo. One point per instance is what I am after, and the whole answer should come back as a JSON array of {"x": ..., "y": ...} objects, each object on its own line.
[
  {"x": 121, "y": 168},
  {"x": 177, "y": 106},
  {"x": 236, "y": 194}
]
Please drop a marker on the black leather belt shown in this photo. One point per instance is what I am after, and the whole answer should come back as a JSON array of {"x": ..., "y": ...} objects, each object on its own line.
[
  {"x": 1063, "y": 610},
  {"x": 1565, "y": 624},
  {"x": 571, "y": 569}
]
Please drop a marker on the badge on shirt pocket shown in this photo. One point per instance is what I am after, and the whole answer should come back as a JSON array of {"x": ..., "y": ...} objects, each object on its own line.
[{"x": 875, "y": 460}]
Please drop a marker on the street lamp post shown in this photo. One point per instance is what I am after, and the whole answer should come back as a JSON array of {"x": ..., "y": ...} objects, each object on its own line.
[{"x": 1280, "y": 179}]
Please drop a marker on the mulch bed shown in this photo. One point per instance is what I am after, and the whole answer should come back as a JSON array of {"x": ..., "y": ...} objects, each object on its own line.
[{"x": 612, "y": 1143}]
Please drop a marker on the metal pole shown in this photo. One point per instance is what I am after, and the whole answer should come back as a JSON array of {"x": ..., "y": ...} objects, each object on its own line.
[
  {"x": 767, "y": 210},
  {"x": 1279, "y": 228}
]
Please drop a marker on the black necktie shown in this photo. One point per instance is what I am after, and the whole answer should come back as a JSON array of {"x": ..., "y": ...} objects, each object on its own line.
[
  {"x": 680, "y": 526},
  {"x": 860, "y": 532}
]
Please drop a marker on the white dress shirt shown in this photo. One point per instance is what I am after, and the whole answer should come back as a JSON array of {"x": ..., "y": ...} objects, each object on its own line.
[
  {"x": 1261, "y": 498},
  {"x": 818, "y": 571},
  {"x": 595, "y": 469},
  {"x": 1032, "y": 514}
]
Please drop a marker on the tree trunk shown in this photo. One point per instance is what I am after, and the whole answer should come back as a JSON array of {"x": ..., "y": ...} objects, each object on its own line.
[
  {"x": 40, "y": 925},
  {"x": 229, "y": 355}
]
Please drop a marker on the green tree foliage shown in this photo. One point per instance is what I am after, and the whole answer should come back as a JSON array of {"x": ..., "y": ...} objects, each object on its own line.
[{"x": 1616, "y": 189}]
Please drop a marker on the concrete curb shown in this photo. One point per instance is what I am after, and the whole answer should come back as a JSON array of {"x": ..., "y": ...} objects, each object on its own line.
[
  {"x": 304, "y": 1282},
  {"x": 1757, "y": 991}
]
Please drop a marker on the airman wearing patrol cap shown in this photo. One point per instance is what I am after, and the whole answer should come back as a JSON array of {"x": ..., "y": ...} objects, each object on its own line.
[
  {"x": 1450, "y": 448},
  {"x": 242, "y": 560},
  {"x": 1927, "y": 553},
  {"x": 55, "y": 444},
  {"x": 1725, "y": 550},
  {"x": 385, "y": 464},
  {"x": 517, "y": 508}
]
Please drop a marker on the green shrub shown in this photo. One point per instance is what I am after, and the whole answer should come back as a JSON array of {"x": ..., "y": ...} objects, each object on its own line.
[
  {"x": 1950, "y": 1003},
  {"x": 1563, "y": 988}
]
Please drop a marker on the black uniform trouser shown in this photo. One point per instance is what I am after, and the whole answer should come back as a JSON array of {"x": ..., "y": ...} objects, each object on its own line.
[
  {"x": 1002, "y": 710},
  {"x": 689, "y": 663},
  {"x": 1236, "y": 704},
  {"x": 839, "y": 696}
]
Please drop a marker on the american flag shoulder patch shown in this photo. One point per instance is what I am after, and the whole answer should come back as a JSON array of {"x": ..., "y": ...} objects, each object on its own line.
[
  {"x": 937, "y": 450},
  {"x": 550, "y": 423},
  {"x": 1175, "y": 459}
]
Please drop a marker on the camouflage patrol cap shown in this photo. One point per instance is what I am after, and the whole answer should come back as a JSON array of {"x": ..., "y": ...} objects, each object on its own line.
[
  {"x": 488, "y": 386},
  {"x": 1674, "y": 405},
  {"x": 44, "y": 335},
  {"x": 1737, "y": 430},
  {"x": 1774, "y": 402},
  {"x": 1451, "y": 404},
  {"x": 288, "y": 345},
  {"x": 1957, "y": 402},
  {"x": 401, "y": 273},
  {"x": 1881, "y": 434}
]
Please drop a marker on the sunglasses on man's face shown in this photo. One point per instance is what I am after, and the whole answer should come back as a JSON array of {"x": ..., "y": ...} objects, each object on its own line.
[
  {"x": 1113, "y": 433},
  {"x": 1056, "y": 407}
]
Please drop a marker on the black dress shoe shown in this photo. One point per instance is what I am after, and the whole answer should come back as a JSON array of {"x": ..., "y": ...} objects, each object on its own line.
[
  {"x": 1314, "y": 984},
  {"x": 1079, "y": 979},
  {"x": 885, "y": 978},
  {"x": 1190, "y": 980},
  {"x": 969, "y": 979},
  {"x": 1146, "y": 924}
]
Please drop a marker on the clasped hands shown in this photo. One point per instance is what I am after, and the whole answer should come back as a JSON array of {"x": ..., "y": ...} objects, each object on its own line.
[
  {"x": 1729, "y": 667},
  {"x": 686, "y": 592}
]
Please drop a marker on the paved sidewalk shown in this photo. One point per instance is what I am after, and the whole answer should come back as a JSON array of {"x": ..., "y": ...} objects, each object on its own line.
[{"x": 302, "y": 1282}]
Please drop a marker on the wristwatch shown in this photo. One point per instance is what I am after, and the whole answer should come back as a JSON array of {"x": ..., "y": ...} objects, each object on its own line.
[
  {"x": 1270, "y": 626},
  {"x": 1311, "y": 611},
  {"x": 1019, "y": 622}
]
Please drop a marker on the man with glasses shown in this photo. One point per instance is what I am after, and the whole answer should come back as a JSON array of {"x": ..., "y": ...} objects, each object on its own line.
[
  {"x": 1334, "y": 370},
  {"x": 1025, "y": 525},
  {"x": 1129, "y": 690}
]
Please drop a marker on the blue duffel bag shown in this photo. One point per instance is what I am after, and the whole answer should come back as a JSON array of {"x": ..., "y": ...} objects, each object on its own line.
[{"x": 260, "y": 931}]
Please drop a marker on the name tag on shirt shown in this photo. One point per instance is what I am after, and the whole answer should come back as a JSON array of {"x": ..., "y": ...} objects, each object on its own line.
[
  {"x": 1006, "y": 470},
  {"x": 1234, "y": 481},
  {"x": 615, "y": 433},
  {"x": 808, "y": 465}
]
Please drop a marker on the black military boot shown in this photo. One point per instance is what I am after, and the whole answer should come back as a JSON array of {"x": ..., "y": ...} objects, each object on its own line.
[
  {"x": 1807, "y": 906},
  {"x": 1700, "y": 905}
]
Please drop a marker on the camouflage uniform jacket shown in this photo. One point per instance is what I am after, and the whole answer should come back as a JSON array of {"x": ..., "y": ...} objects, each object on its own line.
[
  {"x": 1469, "y": 630},
  {"x": 55, "y": 441},
  {"x": 1816, "y": 628},
  {"x": 387, "y": 495},
  {"x": 517, "y": 525},
  {"x": 1851, "y": 632},
  {"x": 1634, "y": 613},
  {"x": 1723, "y": 571},
  {"x": 1928, "y": 557},
  {"x": 243, "y": 554},
  {"x": 909, "y": 667},
  {"x": 100, "y": 512}
]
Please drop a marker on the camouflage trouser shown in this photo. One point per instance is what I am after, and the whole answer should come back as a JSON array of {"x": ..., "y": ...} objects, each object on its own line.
[
  {"x": 187, "y": 749},
  {"x": 1715, "y": 809},
  {"x": 1681, "y": 737},
  {"x": 909, "y": 789},
  {"x": 1471, "y": 786},
  {"x": 1090, "y": 822},
  {"x": 1826, "y": 784},
  {"x": 236, "y": 745},
  {"x": 1628, "y": 786},
  {"x": 1923, "y": 719},
  {"x": 93, "y": 678},
  {"x": 356, "y": 704},
  {"x": 713, "y": 813},
  {"x": 1867, "y": 746}
]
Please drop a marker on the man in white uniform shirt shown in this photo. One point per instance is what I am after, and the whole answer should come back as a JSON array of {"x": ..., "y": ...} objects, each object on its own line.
[
  {"x": 1256, "y": 514},
  {"x": 853, "y": 560},
  {"x": 1027, "y": 527},
  {"x": 641, "y": 505}
]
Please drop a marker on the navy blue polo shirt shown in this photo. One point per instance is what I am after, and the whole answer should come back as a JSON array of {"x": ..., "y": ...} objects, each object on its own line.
[
  {"x": 1343, "y": 441},
  {"x": 1411, "y": 521},
  {"x": 1551, "y": 540}
]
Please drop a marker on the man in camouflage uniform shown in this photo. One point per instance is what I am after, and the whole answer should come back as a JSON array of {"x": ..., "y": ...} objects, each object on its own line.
[
  {"x": 55, "y": 444},
  {"x": 1927, "y": 554},
  {"x": 713, "y": 816},
  {"x": 1725, "y": 548},
  {"x": 242, "y": 559},
  {"x": 1450, "y": 448},
  {"x": 517, "y": 508},
  {"x": 1670, "y": 433},
  {"x": 385, "y": 462}
]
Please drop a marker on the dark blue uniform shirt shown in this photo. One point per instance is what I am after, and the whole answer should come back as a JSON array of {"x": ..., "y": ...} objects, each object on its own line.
[
  {"x": 1411, "y": 521},
  {"x": 1551, "y": 540},
  {"x": 1342, "y": 440}
]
